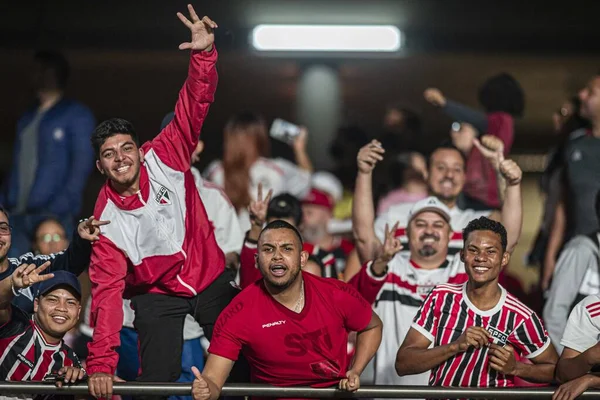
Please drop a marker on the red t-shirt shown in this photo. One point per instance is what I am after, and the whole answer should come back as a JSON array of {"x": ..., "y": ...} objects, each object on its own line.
[{"x": 285, "y": 348}]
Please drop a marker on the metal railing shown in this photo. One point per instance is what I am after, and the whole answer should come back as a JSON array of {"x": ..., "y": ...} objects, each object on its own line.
[{"x": 241, "y": 390}]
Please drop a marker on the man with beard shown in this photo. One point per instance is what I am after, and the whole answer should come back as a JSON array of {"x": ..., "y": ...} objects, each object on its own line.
[
  {"x": 397, "y": 282},
  {"x": 292, "y": 326},
  {"x": 446, "y": 178}
]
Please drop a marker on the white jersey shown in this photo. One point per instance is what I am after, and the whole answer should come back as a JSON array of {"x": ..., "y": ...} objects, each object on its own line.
[
  {"x": 397, "y": 297},
  {"x": 276, "y": 174},
  {"x": 583, "y": 327},
  {"x": 229, "y": 237},
  {"x": 399, "y": 213}
]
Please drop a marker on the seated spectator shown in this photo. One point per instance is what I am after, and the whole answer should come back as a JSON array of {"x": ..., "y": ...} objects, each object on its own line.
[
  {"x": 32, "y": 348},
  {"x": 503, "y": 100},
  {"x": 49, "y": 237},
  {"x": 577, "y": 367},
  {"x": 246, "y": 163},
  {"x": 52, "y": 156},
  {"x": 317, "y": 213},
  {"x": 577, "y": 276},
  {"x": 467, "y": 334}
]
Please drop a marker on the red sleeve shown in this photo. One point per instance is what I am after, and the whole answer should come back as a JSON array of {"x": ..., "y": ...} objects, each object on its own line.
[
  {"x": 226, "y": 339},
  {"x": 248, "y": 271},
  {"x": 501, "y": 125},
  {"x": 357, "y": 312},
  {"x": 367, "y": 284},
  {"x": 530, "y": 338},
  {"x": 108, "y": 268},
  {"x": 426, "y": 321},
  {"x": 177, "y": 141}
]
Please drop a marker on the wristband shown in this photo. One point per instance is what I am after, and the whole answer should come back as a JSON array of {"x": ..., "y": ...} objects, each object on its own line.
[{"x": 384, "y": 273}]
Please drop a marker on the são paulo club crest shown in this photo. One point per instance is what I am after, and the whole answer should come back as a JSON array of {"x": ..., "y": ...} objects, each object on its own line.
[{"x": 163, "y": 197}]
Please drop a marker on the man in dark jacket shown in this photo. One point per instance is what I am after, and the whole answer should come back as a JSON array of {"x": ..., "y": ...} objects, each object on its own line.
[{"x": 52, "y": 156}]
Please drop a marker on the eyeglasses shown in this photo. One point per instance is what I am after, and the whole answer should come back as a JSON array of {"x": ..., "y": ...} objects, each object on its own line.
[
  {"x": 48, "y": 237},
  {"x": 5, "y": 229}
]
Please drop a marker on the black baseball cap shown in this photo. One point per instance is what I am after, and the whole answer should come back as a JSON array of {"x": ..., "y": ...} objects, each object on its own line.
[{"x": 61, "y": 278}]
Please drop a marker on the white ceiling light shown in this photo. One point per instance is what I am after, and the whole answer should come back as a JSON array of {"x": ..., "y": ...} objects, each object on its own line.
[{"x": 343, "y": 38}]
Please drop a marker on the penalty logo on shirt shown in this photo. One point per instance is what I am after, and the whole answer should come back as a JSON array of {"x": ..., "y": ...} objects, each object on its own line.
[
  {"x": 163, "y": 197},
  {"x": 497, "y": 337}
]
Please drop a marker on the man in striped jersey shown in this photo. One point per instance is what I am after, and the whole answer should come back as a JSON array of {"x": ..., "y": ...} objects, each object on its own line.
[
  {"x": 446, "y": 179},
  {"x": 31, "y": 348},
  {"x": 467, "y": 334},
  {"x": 579, "y": 361}
]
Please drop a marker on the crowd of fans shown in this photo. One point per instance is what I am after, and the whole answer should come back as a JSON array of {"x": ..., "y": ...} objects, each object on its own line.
[{"x": 390, "y": 268}]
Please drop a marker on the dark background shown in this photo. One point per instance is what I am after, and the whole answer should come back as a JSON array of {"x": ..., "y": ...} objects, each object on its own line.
[{"x": 125, "y": 61}]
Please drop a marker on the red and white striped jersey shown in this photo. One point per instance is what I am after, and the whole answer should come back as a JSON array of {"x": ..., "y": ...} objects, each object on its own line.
[
  {"x": 24, "y": 353},
  {"x": 583, "y": 327},
  {"x": 447, "y": 313}
]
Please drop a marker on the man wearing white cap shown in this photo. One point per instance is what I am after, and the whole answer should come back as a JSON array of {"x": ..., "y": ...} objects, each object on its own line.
[{"x": 398, "y": 282}]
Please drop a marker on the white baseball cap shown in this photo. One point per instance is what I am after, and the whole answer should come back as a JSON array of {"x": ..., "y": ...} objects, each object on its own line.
[
  {"x": 432, "y": 204},
  {"x": 328, "y": 183}
]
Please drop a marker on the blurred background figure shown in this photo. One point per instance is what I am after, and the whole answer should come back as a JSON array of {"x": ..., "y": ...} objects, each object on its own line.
[
  {"x": 50, "y": 237},
  {"x": 52, "y": 156},
  {"x": 246, "y": 162},
  {"x": 503, "y": 100}
]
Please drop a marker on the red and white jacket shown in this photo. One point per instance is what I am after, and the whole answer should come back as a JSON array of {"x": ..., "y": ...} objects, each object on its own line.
[{"x": 159, "y": 240}]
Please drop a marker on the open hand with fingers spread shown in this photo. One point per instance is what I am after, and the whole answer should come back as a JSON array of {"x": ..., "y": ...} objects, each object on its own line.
[
  {"x": 202, "y": 31},
  {"x": 27, "y": 275},
  {"x": 368, "y": 156},
  {"x": 474, "y": 336},
  {"x": 89, "y": 229},
  {"x": 258, "y": 208}
]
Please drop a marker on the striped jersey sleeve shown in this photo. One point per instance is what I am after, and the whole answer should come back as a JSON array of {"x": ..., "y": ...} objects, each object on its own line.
[
  {"x": 583, "y": 326},
  {"x": 530, "y": 338},
  {"x": 425, "y": 322}
]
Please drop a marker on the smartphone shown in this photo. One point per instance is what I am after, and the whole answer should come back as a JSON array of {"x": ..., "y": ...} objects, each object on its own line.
[{"x": 284, "y": 130}]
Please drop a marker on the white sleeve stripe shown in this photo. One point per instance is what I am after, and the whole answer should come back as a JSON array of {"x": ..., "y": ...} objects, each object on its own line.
[
  {"x": 423, "y": 331},
  {"x": 540, "y": 350}
]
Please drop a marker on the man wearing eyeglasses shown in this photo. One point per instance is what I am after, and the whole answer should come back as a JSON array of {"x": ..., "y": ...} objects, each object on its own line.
[{"x": 74, "y": 259}]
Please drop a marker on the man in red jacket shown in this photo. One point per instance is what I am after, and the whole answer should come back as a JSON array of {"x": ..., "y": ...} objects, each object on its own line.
[{"x": 160, "y": 249}]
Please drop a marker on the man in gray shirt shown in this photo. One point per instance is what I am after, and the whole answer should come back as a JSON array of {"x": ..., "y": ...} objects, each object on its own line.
[{"x": 577, "y": 275}]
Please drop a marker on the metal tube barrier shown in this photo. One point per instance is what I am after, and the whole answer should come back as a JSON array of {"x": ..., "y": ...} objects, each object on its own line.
[{"x": 182, "y": 389}]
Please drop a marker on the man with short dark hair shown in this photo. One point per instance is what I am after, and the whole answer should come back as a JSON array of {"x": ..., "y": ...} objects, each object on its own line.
[
  {"x": 160, "y": 249},
  {"x": 52, "y": 156},
  {"x": 467, "y": 334},
  {"x": 32, "y": 348},
  {"x": 292, "y": 326}
]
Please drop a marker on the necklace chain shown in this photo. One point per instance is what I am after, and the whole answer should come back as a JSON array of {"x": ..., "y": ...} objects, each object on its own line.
[{"x": 299, "y": 302}]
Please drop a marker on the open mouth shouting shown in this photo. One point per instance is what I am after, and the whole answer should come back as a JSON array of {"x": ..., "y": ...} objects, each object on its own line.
[{"x": 278, "y": 270}]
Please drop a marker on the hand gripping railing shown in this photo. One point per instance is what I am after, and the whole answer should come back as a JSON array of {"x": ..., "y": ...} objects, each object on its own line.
[{"x": 241, "y": 390}]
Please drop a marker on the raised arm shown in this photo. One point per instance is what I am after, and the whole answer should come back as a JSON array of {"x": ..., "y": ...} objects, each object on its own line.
[
  {"x": 178, "y": 140},
  {"x": 510, "y": 176},
  {"x": 363, "y": 210}
]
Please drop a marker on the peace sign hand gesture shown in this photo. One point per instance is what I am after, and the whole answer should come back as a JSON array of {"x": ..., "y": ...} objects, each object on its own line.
[
  {"x": 203, "y": 35},
  {"x": 258, "y": 208},
  {"x": 391, "y": 246},
  {"x": 27, "y": 275}
]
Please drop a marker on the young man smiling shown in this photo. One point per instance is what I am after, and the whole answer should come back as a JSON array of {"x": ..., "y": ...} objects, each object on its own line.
[
  {"x": 292, "y": 326},
  {"x": 466, "y": 334},
  {"x": 160, "y": 249}
]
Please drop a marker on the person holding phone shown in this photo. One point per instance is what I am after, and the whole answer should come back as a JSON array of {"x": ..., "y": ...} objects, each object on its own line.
[{"x": 247, "y": 162}]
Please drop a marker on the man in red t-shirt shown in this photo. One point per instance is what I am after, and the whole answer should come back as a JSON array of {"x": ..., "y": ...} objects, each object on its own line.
[{"x": 291, "y": 326}]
